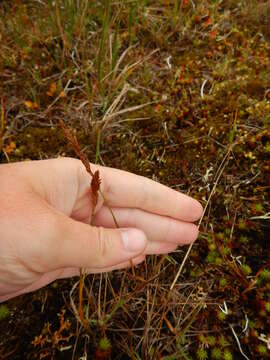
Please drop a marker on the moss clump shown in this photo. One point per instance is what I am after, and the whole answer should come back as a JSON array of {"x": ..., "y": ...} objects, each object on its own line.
[
  {"x": 222, "y": 282},
  {"x": 202, "y": 338},
  {"x": 221, "y": 315},
  {"x": 264, "y": 276},
  {"x": 246, "y": 269},
  {"x": 267, "y": 306},
  {"x": 216, "y": 353},
  {"x": 262, "y": 349},
  {"x": 104, "y": 344},
  {"x": 211, "y": 340},
  {"x": 227, "y": 355},
  {"x": 223, "y": 341},
  {"x": 201, "y": 354},
  {"x": 4, "y": 312}
]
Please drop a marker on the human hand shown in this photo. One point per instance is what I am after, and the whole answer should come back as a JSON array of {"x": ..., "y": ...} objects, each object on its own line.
[{"x": 45, "y": 210}]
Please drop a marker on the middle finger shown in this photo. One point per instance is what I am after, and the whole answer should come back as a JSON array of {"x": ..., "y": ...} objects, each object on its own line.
[{"x": 157, "y": 228}]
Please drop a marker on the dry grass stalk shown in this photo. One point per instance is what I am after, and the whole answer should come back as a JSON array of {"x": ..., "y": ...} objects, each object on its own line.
[{"x": 219, "y": 173}]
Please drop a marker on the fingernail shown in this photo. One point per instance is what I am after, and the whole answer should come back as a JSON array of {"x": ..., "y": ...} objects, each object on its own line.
[{"x": 134, "y": 240}]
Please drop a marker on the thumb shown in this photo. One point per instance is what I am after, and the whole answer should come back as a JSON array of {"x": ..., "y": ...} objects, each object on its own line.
[{"x": 82, "y": 245}]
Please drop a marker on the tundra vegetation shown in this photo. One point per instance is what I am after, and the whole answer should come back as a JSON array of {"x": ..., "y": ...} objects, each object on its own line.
[{"x": 177, "y": 91}]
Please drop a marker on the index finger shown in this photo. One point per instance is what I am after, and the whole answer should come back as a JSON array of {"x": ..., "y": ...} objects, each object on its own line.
[{"x": 124, "y": 189}]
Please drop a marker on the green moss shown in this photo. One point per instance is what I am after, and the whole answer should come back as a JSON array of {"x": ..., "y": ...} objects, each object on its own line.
[
  {"x": 243, "y": 239},
  {"x": 211, "y": 257},
  {"x": 265, "y": 275},
  {"x": 181, "y": 340},
  {"x": 259, "y": 207},
  {"x": 211, "y": 246},
  {"x": 104, "y": 344},
  {"x": 202, "y": 338},
  {"x": 211, "y": 340},
  {"x": 216, "y": 353},
  {"x": 228, "y": 355},
  {"x": 4, "y": 312},
  {"x": 225, "y": 250},
  {"x": 220, "y": 236},
  {"x": 267, "y": 148},
  {"x": 227, "y": 231},
  {"x": 223, "y": 341},
  {"x": 262, "y": 349},
  {"x": 218, "y": 261},
  {"x": 201, "y": 354},
  {"x": 246, "y": 269},
  {"x": 222, "y": 282},
  {"x": 242, "y": 225},
  {"x": 221, "y": 315}
]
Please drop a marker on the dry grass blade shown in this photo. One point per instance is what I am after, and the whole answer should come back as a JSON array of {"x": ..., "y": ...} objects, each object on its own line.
[
  {"x": 121, "y": 58},
  {"x": 121, "y": 112},
  {"x": 115, "y": 103},
  {"x": 129, "y": 68},
  {"x": 219, "y": 173}
]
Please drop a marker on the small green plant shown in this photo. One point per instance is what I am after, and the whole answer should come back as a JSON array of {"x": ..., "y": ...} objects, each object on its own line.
[
  {"x": 243, "y": 239},
  {"x": 242, "y": 225},
  {"x": 221, "y": 316},
  {"x": 202, "y": 338},
  {"x": 227, "y": 355},
  {"x": 259, "y": 207},
  {"x": 222, "y": 282},
  {"x": 262, "y": 349},
  {"x": 201, "y": 354},
  {"x": 267, "y": 306},
  {"x": 4, "y": 312},
  {"x": 211, "y": 257},
  {"x": 246, "y": 269},
  {"x": 218, "y": 261},
  {"x": 216, "y": 353},
  {"x": 211, "y": 340},
  {"x": 267, "y": 148},
  {"x": 225, "y": 250},
  {"x": 222, "y": 341},
  {"x": 104, "y": 344},
  {"x": 104, "y": 349},
  {"x": 264, "y": 276}
]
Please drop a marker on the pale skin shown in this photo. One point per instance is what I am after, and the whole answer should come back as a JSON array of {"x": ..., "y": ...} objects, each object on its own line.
[{"x": 45, "y": 210}]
